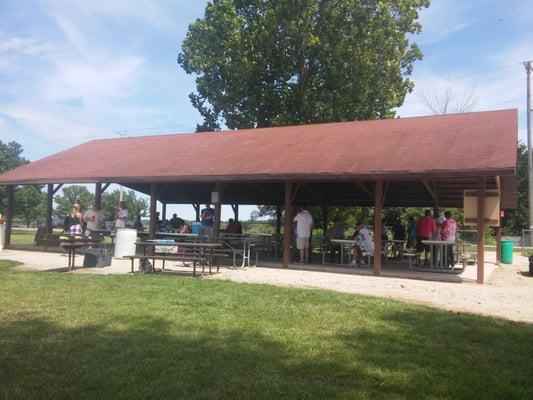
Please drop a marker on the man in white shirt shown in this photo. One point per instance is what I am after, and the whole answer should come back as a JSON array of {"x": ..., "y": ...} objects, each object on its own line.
[
  {"x": 93, "y": 218},
  {"x": 304, "y": 225},
  {"x": 121, "y": 216},
  {"x": 364, "y": 244}
]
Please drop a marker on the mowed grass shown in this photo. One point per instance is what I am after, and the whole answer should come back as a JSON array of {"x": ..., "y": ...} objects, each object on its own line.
[{"x": 155, "y": 336}]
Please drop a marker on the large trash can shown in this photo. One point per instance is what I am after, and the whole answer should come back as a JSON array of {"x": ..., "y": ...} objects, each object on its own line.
[
  {"x": 125, "y": 242},
  {"x": 2, "y": 235},
  {"x": 507, "y": 252}
]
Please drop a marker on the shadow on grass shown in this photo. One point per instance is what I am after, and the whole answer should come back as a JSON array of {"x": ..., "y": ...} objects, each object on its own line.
[{"x": 411, "y": 354}]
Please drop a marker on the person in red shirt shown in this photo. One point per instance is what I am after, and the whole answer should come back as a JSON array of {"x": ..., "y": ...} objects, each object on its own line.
[{"x": 424, "y": 230}]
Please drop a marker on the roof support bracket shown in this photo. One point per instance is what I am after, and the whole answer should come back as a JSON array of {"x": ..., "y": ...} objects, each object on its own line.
[
  {"x": 54, "y": 191},
  {"x": 369, "y": 191},
  {"x": 432, "y": 190}
]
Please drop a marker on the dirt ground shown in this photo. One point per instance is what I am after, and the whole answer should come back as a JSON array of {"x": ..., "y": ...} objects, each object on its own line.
[{"x": 508, "y": 292}]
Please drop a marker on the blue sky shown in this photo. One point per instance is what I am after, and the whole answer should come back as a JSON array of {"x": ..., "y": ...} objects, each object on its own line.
[{"x": 72, "y": 71}]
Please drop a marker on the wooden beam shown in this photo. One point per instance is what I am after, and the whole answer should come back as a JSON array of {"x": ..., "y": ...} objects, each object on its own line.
[
  {"x": 384, "y": 195},
  {"x": 432, "y": 191},
  {"x": 104, "y": 188},
  {"x": 294, "y": 191},
  {"x": 49, "y": 207},
  {"x": 196, "y": 207},
  {"x": 153, "y": 209},
  {"x": 9, "y": 213},
  {"x": 164, "y": 209},
  {"x": 378, "y": 195},
  {"x": 287, "y": 232},
  {"x": 324, "y": 218},
  {"x": 59, "y": 186},
  {"x": 365, "y": 189},
  {"x": 481, "y": 231},
  {"x": 219, "y": 187},
  {"x": 235, "y": 208},
  {"x": 278, "y": 220},
  {"x": 98, "y": 195}
]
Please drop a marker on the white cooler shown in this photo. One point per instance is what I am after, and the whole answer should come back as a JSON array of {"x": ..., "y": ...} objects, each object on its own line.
[
  {"x": 2, "y": 236},
  {"x": 125, "y": 242}
]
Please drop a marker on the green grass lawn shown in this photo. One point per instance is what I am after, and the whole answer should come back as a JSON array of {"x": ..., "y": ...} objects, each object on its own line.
[{"x": 154, "y": 336}]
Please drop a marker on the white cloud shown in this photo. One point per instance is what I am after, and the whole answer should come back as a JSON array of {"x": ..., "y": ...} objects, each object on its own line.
[
  {"x": 93, "y": 80},
  {"x": 445, "y": 17}
]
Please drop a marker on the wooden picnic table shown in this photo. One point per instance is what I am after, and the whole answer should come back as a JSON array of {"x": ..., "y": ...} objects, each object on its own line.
[
  {"x": 73, "y": 243},
  {"x": 438, "y": 248},
  {"x": 202, "y": 251}
]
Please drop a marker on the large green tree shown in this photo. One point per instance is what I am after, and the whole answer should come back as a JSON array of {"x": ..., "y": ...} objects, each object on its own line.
[
  {"x": 10, "y": 158},
  {"x": 30, "y": 204},
  {"x": 70, "y": 195},
  {"x": 516, "y": 220},
  {"x": 266, "y": 63},
  {"x": 136, "y": 205}
]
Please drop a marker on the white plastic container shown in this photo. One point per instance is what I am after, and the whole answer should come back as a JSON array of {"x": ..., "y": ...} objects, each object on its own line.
[
  {"x": 2, "y": 236},
  {"x": 125, "y": 242}
]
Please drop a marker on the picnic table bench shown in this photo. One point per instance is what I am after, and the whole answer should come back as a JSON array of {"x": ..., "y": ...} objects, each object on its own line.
[{"x": 202, "y": 253}]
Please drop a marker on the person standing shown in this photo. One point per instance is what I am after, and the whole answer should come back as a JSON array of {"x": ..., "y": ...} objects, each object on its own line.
[
  {"x": 448, "y": 232},
  {"x": 304, "y": 225},
  {"x": 121, "y": 216},
  {"x": 439, "y": 220},
  {"x": 93, "y": 218},
  {"x": 411, "y": 233},
  {"x": 424, "y": 231},
  {"x": 207, "y": 218},
  {"x": 335, "y": 232},
  {"x": 76, "y": 220}
]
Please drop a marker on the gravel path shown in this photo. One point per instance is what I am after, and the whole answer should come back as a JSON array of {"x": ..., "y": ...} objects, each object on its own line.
[{"x": 507, "y": 294}]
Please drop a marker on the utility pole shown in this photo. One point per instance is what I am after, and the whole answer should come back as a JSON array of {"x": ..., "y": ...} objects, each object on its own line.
[{"x": 527, "y": 64}]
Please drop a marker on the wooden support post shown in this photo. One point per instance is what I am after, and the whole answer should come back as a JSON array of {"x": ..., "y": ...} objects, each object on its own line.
[
  {"x": 235, "y": 208},
  {"x": 218, "y": 211},
  {"x": 324, "y": 218},
  {"x": 98, "y": 195},
  {"x": 287, "y": 232},
  {"x": 153, "y": 210},
  {"x": 278, "y": 220},
  {"x": 481, "y": 230},
  {"x": 9, "y": 213},
  {"x": 499, "y": 244},
  {"x": 49, "y": 207},
  {"x": 378, "y": 207},
  {"x": 196, "y": 207},
  {"x": 164, "y": 206}
]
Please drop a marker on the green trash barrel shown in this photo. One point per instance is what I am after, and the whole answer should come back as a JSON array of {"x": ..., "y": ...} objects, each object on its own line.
[{"x": 507, "y": 252}]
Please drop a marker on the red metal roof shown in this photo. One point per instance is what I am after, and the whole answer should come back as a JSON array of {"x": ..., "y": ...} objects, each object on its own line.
[{"x": 470, "y": 144}]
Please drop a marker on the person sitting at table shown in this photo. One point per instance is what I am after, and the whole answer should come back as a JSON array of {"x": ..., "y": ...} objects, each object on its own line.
[
  {"x": 207, "y": 217},
  {"x": 364, "y": 244},
  {"x": 334, "y": 232},
  {"x": 175, "y": 222},
  {"x": 447, "y": 232},
  {"x": 121, "y": 216},
  {"x": 424, "y": 231},
  {"x": 137, "y": 224},
  {"x": 93, "y": 217},
  {"x": 75, "y": 220},
  {"x": 411, "y": 233},
  {"x": 231, "y": 227},
  {"x": 184, "y": 228}
]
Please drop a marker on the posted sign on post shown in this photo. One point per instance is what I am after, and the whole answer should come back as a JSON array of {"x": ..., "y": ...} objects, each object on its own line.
[{"x": 492, "y": 208}]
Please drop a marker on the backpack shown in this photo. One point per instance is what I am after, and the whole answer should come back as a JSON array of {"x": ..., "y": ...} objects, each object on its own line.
[{"x": 145, "y": 266}]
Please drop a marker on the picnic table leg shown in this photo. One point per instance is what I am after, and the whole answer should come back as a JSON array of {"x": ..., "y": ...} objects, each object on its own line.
[
  {"x": 194, "y": 268},
  {"x": 132, "y": 264}
]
